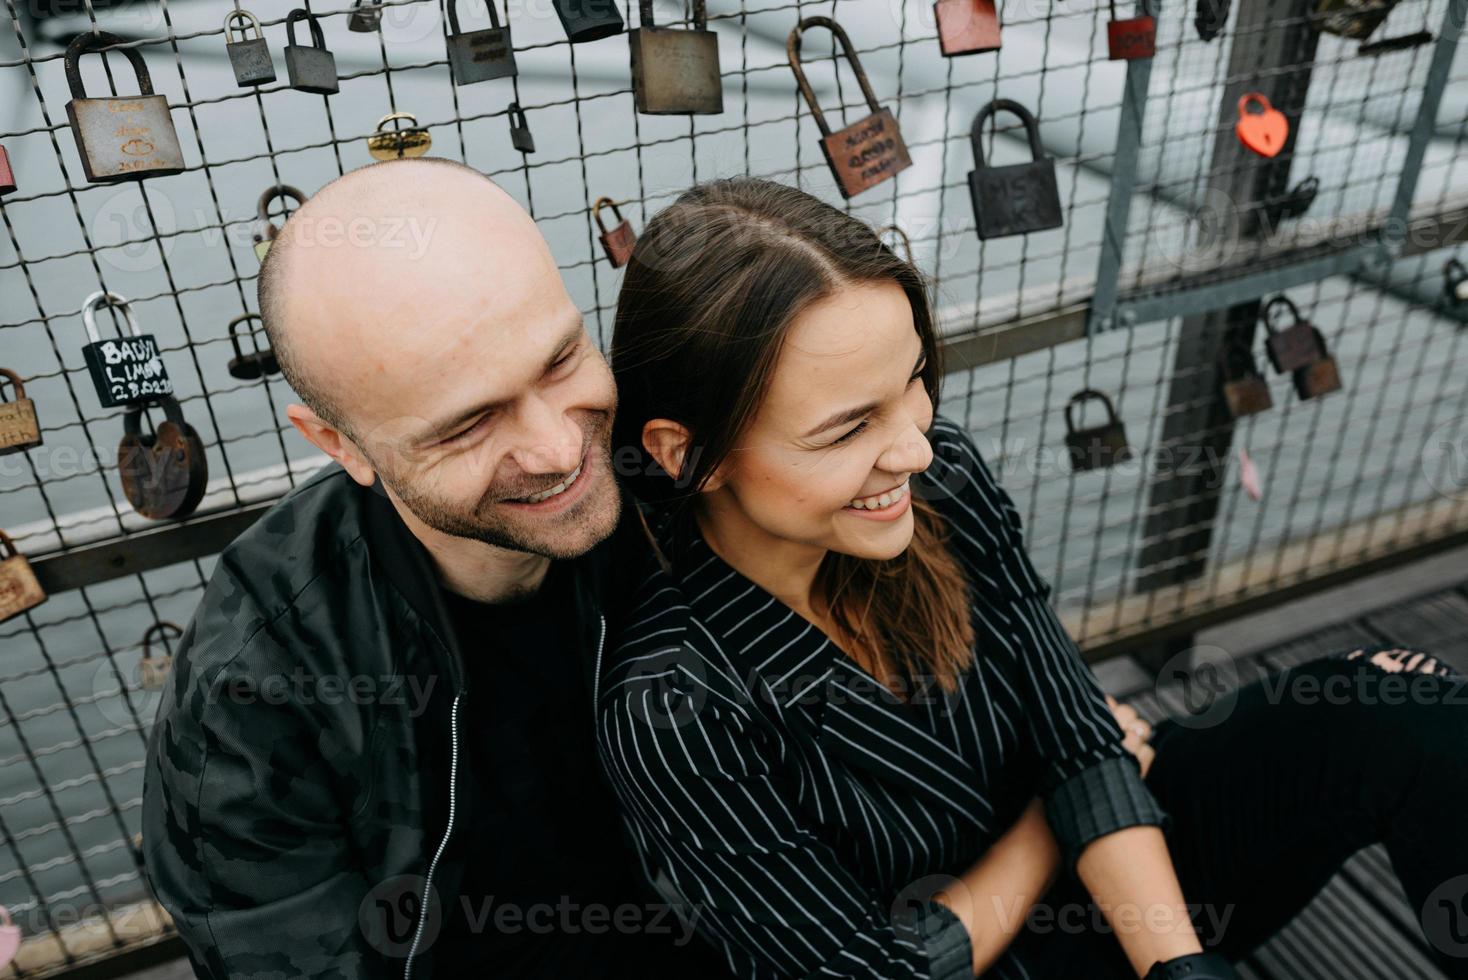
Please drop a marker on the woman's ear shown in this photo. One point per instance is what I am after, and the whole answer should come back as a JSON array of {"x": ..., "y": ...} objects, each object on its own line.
[{"x": 667, "y": 443}]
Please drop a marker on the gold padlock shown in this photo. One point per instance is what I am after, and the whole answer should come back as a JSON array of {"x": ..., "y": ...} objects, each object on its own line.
[
  {"x": 19, "y": 428},
  {"x": 153, "y": 671},
  {"x": 395, "y": 144},
  {"x": 19, "y": 589}
]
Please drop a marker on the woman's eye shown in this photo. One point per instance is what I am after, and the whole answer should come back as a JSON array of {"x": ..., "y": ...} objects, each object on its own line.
[{"x": 850, "y": 435}]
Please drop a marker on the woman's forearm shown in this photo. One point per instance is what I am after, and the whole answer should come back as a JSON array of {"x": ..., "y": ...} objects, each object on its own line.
[
  {"x": 994, "y": 897},
  {"x": 1130, "y": 875}
]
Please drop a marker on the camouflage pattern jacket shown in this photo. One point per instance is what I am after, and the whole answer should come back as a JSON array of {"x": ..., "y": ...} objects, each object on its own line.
[{"x": 298, "y": 799}]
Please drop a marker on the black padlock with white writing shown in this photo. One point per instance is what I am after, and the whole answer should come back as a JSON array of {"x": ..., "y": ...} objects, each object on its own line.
[
  {"x": 1295, "y": 345},
  {"x": 310, "y": 67},
  {"x": 520, "y": 137},
  {"x": 675, "y": 71},
  {"x": 125, "y": 370},
  {"x": 1320, "y": 377},
  {"x": 588, "y": 20},
  {"x": 1017, "y": 198},
  {"x": 125, "y": 137},
  {"x": 163, "y": 473},
  {"x": 19, "y": 427},
  {"x": 1245, "y": 391},
  {"x": 478, "y": 56},
  {"x": 248, "y": 365},
  {"x": 1096, "y": 447},
  {"x": 248, "y": 56}
]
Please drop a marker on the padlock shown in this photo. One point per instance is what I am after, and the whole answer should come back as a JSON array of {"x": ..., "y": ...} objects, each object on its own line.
[
  {"x": 1455, "y": 281},
  {"x": 618, "y": 242},
  {"x": 1099, "y": 446},
  {"x": 1245, "y": 391},
  {"x": 396, "y": 144},
  {"x": 520, "y": 137},
  {"x": 675, "y": 71},
  {"x": 310, "y": 67},
  {"x": 902, "y": 239},
  {"x": 265, "y": 229},
  {"x": 1264, "y": 132},
  {"x": 1132, "y": 37},
  {"x": 867, "y": 152},
  {"x": 588, "y": 20},
  {"x": 1211, "y": 17},
  {"x": 126, "y": 137},
  {"x": 250, "y": 56},
  {"x": 19, "y": 589},
  {"x": 7, "y": 176},
  {"x": 1293, "y": 202},
  {"x": 163, "y": 474},
  {"x": 125, "y": 370},
  {"x": 19, "y": 427},
  {"x": 1294, "y": 346},
  {"x": 1018, "y": 198},
  {"x": 1402, "y": 42},
  {"x": 1354, "y": 19},
  {"x": 478, "y": 56},
  {"x": 256, "y": 363},
  {"x": 365, "y": 18},
  {"x": 966, "y": 26},
  {"x": 153, "y": 670},
  {"x": 1319, "y": 378}
]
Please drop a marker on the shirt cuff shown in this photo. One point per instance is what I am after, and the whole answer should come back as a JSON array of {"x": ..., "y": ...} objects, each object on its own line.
[
  {"x": 950, "y": 954},
  {"x": 1100, "y": 800}
]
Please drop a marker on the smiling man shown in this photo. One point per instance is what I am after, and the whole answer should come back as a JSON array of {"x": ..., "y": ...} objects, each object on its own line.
[{"x": 376, "y": 755}]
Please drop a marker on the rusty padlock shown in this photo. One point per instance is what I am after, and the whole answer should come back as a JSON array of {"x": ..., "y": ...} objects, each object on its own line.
[
  {"x": 366, "y": 17},
  {"x": 618, "y": 242},
  {"x": 126, "y": 137},
  {"x": 252, "y": 364},
  {"x": 19, "y": 428},
  {"x": 1354, "y": 19},
  {"x": 868, "y": 151},
  {"x": 125, "y": 370},
  {"x": 588, "y": 20},
  {"x": 7, "y": 176},
  {"x": 1294, "y": 346},
  {"x": 966, "y": 26},
  {"x": 310, "y": 67},
  {"x": 401, "y": 142},
  {"x": 478, "y": 56},
  {"x": 1099, "y": 446},
  {"x": 153, "y": 670},
  {"x": 249, "y": 56},
  {"x": 164, "y": 473},
  {"x": 520, "y": 137},
  {"x": 265, "y": 229},
  {"x": 19, "y": 589},
  {"x": 1319, "y": 378},
  {"x": 1133, "y": 37},
  {"x": 1245, "y": 391},
  {"x": 675, "y": 71},
  {"x": 1455, "y": 281},
  {"x": 1017, "y": 198}
]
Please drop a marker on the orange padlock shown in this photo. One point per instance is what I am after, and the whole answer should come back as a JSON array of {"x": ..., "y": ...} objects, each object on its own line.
[{"x": 1265, "y": 131}]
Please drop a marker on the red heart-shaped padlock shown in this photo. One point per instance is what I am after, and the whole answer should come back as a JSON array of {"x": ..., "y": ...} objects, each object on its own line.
[{"x": 1264, "y": 131}]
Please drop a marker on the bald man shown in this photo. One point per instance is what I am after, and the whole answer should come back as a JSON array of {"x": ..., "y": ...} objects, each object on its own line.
[{"x": 376, "y": 757}]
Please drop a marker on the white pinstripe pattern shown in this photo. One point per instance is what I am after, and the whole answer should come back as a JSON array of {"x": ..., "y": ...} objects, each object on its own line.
[{"x": 789, "y": 801}]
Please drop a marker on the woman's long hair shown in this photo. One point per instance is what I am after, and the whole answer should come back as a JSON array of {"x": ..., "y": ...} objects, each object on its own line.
[{"x": 711, "y": 290}]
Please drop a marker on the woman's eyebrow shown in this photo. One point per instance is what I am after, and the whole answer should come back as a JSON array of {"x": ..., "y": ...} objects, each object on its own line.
[{"x": 852, "y": 414}]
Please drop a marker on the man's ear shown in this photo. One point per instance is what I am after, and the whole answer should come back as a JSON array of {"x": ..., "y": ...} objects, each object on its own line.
[{"x": 332, "y": 442}]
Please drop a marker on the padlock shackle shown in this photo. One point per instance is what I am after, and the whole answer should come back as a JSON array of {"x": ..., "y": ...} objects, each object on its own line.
[
  {"x": 234, "y": 332},
  {"x": 160, "y": 628},
  {"x": 390, "y": 117},
  {"x": 1080, "y": 397},
  {"x": 15, "y": 382},
  {"x": 96, "y": 41},
  {"x": 7, "y": 546},
  {"x": 1146, "y": 9},
  {"x": 513, "y": 110},
  {"x": 241, "y": 14},
  {"x": 1257, "y": 98},
  {"x": 1233, "y": 353},
  {"x": 792, "y": 51},
  {"x": 1032, "y": 129},
  {"x": 494, "y": 17},
  {"x": 132, "y": 417},
  {"x": 1279, "y": 302},
  {"x": 602, "y": 202},
  {"x": 902, "y": 235},
  {"x": 262, "y": 207},
  {"x": 103, "y": 298},
  {"x": 700, "y": 14},
  {"x": 318, "y": 39}
]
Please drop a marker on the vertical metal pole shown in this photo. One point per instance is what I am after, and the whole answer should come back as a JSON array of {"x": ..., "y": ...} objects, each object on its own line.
[{"x": 1119, "y": 204}]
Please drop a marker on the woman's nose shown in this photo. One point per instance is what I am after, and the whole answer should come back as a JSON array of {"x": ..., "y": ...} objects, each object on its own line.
[{"x": 910, "y": 452}]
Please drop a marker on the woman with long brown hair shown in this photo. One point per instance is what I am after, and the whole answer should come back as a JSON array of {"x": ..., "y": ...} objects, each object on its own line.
[{"x": 843, "y": 720}]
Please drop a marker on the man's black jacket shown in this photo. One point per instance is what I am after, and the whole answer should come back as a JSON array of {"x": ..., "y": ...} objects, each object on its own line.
[{"x": 296, "y": 802}]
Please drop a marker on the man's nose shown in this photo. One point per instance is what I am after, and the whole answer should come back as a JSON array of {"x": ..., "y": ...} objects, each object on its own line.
[{"x": 549, "y": 440}]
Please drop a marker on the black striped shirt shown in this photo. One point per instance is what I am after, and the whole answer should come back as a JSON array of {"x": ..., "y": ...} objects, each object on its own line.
[{"x": 800, "y": 808}]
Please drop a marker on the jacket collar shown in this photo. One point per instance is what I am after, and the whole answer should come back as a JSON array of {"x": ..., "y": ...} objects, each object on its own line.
[{"x": 809, "y": 678}]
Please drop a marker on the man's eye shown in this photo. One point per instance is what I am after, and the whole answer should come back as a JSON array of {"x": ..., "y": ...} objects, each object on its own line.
[{"x": 852, "y": 434}]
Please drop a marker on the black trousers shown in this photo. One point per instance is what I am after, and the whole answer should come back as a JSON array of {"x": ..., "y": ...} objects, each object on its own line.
[{"x": 1279, "y": 782}]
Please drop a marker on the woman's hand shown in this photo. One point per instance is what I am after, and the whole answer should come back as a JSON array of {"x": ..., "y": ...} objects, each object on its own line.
[{"x": 1136, "y": 731}]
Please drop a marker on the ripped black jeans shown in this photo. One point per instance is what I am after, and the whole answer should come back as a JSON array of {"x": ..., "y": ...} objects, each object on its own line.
[{"x": 1280, "y": 781}]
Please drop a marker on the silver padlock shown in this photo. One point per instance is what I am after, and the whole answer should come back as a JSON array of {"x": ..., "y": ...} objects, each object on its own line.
[
  {"x": 365, "y": 18},
  {"x": 125, "y": 137},
  {"x": 520, "y": 137},
  {"x": 675, "y": 71},
  {"x": 310, "y": 67},
  {"x": 478, "y": 56},
  {"x": 249, "y": 56},
  {"x": 125, "y": 370}
]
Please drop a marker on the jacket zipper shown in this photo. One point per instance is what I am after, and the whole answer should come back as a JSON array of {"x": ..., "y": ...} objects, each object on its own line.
[
  {"x": 596, "y": 674},
  {"x": 448, "y": 832}
]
